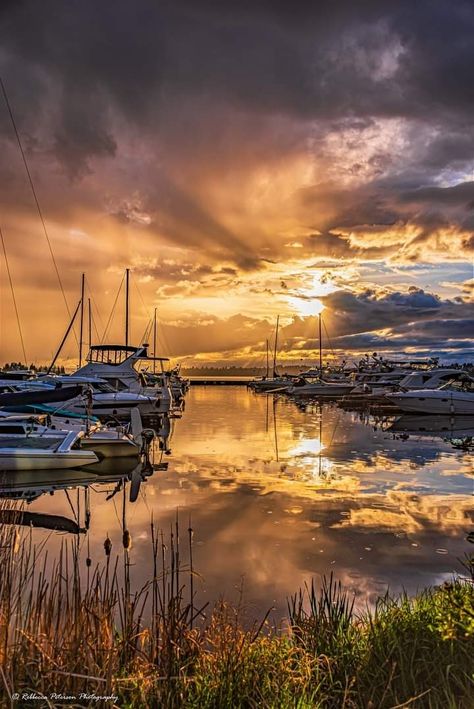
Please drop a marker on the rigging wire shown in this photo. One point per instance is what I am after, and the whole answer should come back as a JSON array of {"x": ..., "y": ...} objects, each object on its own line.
[
  {"x": 163, "y": 339},
  {"x": 113, "y": 310},
  {"x": 13, "y": 298},
  {"x": 328, "y": 338},
  {"x": 147, "y": 332},
  {"x": 30, "y": 179}
]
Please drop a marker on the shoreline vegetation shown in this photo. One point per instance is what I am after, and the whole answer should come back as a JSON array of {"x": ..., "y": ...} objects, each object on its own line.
[{"x": 73, "y": 632}]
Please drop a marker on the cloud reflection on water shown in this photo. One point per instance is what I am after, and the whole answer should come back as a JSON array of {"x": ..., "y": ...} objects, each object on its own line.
[{"x": 277, "y": 495}]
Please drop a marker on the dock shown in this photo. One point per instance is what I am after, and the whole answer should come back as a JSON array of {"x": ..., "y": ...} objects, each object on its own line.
[{"x": 219, "y": 381}]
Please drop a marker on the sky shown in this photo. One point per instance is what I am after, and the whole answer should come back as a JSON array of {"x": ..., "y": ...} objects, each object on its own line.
[{"x": 245, "y": 160}]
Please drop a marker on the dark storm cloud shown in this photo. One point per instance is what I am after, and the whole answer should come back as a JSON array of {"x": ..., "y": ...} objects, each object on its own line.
[
  {"x": 184, "y": 102},
  {"x": 374, "y": 318},
  {"x": 316, "y": 60}
]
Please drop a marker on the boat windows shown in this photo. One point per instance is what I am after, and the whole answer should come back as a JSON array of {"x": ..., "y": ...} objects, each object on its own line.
[
  {"x": 459, "y": 385},
  {"x": 112, "y": 355},
  {"x": 102, "y": 388},
  {"x": 117, "y": 384},
  {"x": 12, "y": 430}
]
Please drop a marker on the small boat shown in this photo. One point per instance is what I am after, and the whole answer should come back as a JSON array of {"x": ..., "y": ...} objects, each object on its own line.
[
  {"x": 105, "y": 441},
  {"x": 271, "y": 384},
  {"x": 319, "y": 387},
  {"x": 456, "y": 398},
  {"x": 40, "y": 453},
  {"x": 276, "y": 381}
]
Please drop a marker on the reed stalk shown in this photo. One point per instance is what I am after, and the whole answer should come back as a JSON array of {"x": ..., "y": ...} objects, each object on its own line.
[{"x": 65, "y": 630}]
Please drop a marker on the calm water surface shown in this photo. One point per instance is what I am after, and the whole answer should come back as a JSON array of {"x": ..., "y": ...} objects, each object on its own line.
[{"x": 277, "y": 494}]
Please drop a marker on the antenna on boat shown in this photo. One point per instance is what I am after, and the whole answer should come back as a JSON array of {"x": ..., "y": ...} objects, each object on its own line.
[
  {"x": 127, "y": 303},
  {"x": 81, "y": 327}
]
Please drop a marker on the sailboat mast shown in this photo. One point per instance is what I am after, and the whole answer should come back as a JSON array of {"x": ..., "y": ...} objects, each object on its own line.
[
  {"x": 81, "y": 327},
  {"x": 276, "y": 345},
  {"x": 90, "y": 323},
  {"x": 320, "y": 344},
  {"x": 268, "y": 364},
  {"x": 127, "y": 303},
  {"x": 154, "y": 342}
]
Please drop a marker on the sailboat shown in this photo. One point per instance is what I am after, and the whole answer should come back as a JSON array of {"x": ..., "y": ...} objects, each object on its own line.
[
  {"x": 316, "y": 386},
  {"x": 276, "y": 381},
  {"x": 116, "y": 364}
]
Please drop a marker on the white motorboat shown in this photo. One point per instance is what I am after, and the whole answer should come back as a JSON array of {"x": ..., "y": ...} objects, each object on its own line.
[
  {"x": 44, "y": 453},
  {"x": 453, "y": 399},
  {"x": 105, "y": 441},
  {"x": 116, "y": 365},
  {"x": 100, "y": 398}
]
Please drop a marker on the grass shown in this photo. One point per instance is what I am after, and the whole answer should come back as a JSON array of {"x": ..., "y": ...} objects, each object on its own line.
[{"x": 70, "y": 628}]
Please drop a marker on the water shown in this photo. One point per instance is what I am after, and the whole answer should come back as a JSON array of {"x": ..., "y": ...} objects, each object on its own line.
[{"x": 278, "y": 494}]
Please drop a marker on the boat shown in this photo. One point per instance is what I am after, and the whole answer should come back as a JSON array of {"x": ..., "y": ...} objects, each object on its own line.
[
  {"x": 105, "y": 441},
  {"x": 13, "y": 395},
  {"x": 319, "y": 387},
  {"x": 40, "y": 453},
  {"x": 276, "y": 381},
  {"x": 453, "y": 398},
  {"x": 115, "y": 365}
]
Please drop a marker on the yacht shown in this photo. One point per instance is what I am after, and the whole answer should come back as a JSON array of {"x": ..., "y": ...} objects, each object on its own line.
[
  {"x": 455, "y": 397},
  {"x": 116, "y": 364},
  {"x": 376, "y": 385},
  {"x": 100, "y": 398}
]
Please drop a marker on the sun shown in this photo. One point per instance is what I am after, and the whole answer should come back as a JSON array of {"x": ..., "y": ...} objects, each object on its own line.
[
  {"x": 307, "y": 302},
  {"x": 306, "y": 306}
]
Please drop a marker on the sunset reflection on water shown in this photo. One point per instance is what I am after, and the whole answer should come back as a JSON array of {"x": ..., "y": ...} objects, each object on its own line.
[{"x": 277, "y": 494}]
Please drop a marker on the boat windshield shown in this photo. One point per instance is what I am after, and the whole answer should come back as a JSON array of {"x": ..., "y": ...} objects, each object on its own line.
[
  {"x": 103, "y": 388},
  {"x": 110, "y": 354},
  {"x": 460, "y": 385}
]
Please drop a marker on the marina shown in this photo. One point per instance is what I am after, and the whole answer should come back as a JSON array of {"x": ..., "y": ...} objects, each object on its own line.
[
  {"x": 384, "y": 500},
  {"x": 236, "y": 355}
]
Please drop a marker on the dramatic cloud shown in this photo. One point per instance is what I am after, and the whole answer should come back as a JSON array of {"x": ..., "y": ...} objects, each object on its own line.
[{"x": 226, "y": 151}]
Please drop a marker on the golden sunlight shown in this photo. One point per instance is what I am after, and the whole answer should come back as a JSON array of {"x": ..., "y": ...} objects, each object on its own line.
[{"x": 307, "y": 302}]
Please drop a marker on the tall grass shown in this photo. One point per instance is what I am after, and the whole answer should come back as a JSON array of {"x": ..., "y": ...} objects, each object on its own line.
[{"x": 70, "y": 628}]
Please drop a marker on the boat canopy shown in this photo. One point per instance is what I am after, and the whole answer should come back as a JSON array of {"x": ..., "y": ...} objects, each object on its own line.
[{"x": 114, "y": 354}]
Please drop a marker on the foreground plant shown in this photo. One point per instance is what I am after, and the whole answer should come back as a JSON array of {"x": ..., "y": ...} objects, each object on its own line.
[{"x": 87, "y": 633}]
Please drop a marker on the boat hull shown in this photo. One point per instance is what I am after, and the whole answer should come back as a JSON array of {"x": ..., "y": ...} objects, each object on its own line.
[
  {"x": 329, "y": 390},
  {"x": 434, "y": 402},
  {"x": 110, "y": 448},
  {"x": 37, "y": 459}
]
